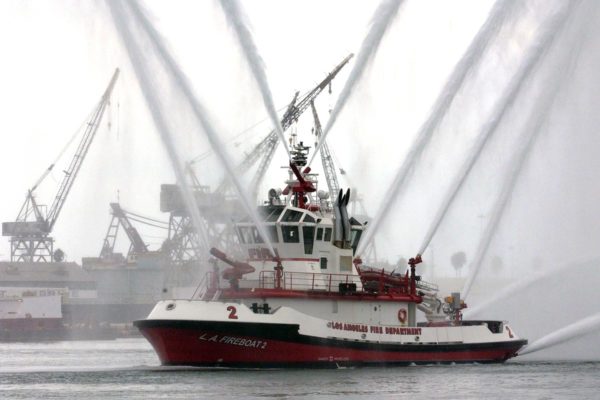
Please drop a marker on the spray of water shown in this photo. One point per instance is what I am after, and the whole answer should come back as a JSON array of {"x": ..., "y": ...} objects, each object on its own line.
[
  {"x": 201, "y": 115},
  {"x": 539, "y": 115},
  {"x": 521, "y": 286},
  {"x": 577, "y": 329},
  {"x": 238, "y": 21},
  {"x": 151, "y": 96},
  {"x": 472, "y": 57},
  {"x": 382, "y": 18}
]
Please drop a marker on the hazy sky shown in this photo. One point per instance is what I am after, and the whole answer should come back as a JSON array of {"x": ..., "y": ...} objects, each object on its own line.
[{"x": 58, "y": 57}]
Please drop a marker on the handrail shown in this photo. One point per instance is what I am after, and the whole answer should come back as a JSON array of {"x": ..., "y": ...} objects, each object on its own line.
[
  {"x": 208, "y": 282},
  {"x": 307, "y": 281},
  {"x": 432, "y": 287}
]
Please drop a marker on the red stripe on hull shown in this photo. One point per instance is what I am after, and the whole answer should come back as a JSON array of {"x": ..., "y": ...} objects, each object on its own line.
[{"x": 176, "y": 346}]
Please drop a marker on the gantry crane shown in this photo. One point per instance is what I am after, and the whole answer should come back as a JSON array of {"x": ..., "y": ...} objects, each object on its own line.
[{"x": 29, "y": 233}]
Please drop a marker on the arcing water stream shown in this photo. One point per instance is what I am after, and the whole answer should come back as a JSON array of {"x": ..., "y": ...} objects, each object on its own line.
[
  {"x": 573, "y": 331},
  {"x": 523, "y": 284},
  {"x": 380, "y": 22},
  {"x": 202, "y": 116},
  {"x": 561, "y": 70},
  {"x": 235, "y": 15},
  {"x": 151, "y": 97},
  {"x": 501, "y": 11}
]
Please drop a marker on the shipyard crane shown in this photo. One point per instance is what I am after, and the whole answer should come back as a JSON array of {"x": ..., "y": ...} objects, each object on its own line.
[
  {"x": 120, "y": 218},
  {"x": 326, "y": 159},
  {"x": 29, "y": 233},
  {"x": 265, "y": 149}
]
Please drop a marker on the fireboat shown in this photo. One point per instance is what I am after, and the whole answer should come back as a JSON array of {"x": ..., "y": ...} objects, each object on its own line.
[{"x": 309, "y": 301}]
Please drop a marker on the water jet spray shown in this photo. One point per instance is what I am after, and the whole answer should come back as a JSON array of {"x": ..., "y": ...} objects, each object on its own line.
[
  {"x": 201, "y": 115},
  {"x": 151, "y": 97},
  {"x": 576, "y": 330},
  {"x": 238, "y": 21},
  {"x": 522, "y": 284},
  {"x": 472, "y": 57},
  {"x": 380, "y": 22},
  {"x": 531, "y": 132}
]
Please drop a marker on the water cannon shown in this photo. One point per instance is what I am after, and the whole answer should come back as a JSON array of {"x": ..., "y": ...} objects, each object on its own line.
[
  {"x": 237, "y": 270},
  {"x": 414, "y": 261},
  {"x": 278, "y": 272},
  {"x": 413, "y": 276},
  {"x": 454, "y": 304},
  {"x": 455, "y": 301}
]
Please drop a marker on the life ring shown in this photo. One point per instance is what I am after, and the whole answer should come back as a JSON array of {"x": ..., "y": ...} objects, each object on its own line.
[{"x": 402, "y": 314}]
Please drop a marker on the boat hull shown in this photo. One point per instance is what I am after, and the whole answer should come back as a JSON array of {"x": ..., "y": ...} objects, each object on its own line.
[{"x": 260, "y": 345}]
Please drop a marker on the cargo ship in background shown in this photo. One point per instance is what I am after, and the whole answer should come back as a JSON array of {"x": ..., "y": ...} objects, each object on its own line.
[
  {"x": 30, "y": 318},
  {"x": 309, "y": 301}
]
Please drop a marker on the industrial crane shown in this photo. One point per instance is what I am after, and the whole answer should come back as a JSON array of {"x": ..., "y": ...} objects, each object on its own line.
[
  {"x": 266, "y": 148},
  {"x": 29, "y": 239},
  {"x": 120, "y": 218},
  {"x": 326, "y": 159}
]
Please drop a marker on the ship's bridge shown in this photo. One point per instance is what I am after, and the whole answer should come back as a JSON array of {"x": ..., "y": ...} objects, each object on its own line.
[{"x": 304, "y": 240}]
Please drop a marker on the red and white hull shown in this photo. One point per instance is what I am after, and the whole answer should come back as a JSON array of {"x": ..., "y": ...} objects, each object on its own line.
[
  {"x": 307, "y": 300},
  {"x": 255, "y": 342}
]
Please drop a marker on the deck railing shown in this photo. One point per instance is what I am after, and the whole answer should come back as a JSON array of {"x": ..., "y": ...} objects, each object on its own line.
[
  {"x": 207, "y": 286},
  {"x": 372, "y": 281},
  {"x": 310, "y": 281},
  {"x": 428, "y": 286}
]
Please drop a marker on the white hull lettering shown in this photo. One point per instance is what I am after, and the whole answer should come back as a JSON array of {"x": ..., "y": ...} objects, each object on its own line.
[
  {"x": 388, "y": 330},
  {"x": 235, "y": 341},
  {"x": 207, "y": 338}
]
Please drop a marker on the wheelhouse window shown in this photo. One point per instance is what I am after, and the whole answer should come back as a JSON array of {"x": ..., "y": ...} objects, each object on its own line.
[
  {"x": 292, "y": 216},
  {"x": 323, "y": 262},
  {"x": 309, "y": 238},
  {"x": 245, "y": 234},
  {"x": 320, "y": 234},
  {"x": 327, "y": 236},
  {"x": 256, "y": 235},
  {"x": 290, "y": 234},
  {"x": 274, "y": 215},
  {"x": 308, "y": 218}
]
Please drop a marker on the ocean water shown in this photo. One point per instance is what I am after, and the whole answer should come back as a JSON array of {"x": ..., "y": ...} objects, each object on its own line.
[{"x": 129, "y": 369}]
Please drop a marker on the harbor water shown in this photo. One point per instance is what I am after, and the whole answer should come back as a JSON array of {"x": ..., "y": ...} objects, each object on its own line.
[{"x": 129, "y": 369}]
